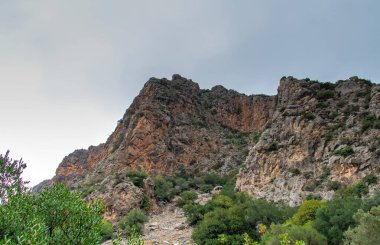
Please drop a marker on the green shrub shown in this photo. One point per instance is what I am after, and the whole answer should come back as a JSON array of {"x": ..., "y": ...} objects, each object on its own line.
[
  {"x": 55, "y": 216},
  {"x": 328, "y": 85},
  {"x": 368, "y": 230},
  {"x": 194, "y": 213},
  {"x": 350, "y": 109},
  {"x": 137, "y": 177},
  {"x": 234, "y": 216},
  {"x": 134, "y": 220},
  {"x": 273, "y": 146},
  {"x": 145, "y": 203},
  {"x": 346, "y": 151},
  {"x": 360, "y": 188},
  {"x": 370, "y": 179},
  {"x": 336, "y": 217},
  {"x": 369, "y": 122},
  {"x": 308, "y": 115},
  {"x": 333, "y": 185},
  {"x": 106, "y": 230},
  {"x": 293, "y": 234},
  {"x": 306, "y": 212},
  {"x": 295, "y": 171},
  {"x": 187, "y": 197},
  {"x": 255, "y": 136},
  {"x": 325, "y": 94},
  {"x": 163, "y": 188}
]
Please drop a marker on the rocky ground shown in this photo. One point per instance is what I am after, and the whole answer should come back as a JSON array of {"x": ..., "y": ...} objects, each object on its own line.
[{"x": 167, "y": 227}]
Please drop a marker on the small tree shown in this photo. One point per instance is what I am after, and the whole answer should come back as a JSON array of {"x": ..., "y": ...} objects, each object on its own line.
[
  {"x": 55, "y": 216},
  {"x": 368, "y": 230},
  {"x": 11, "y": 182}
]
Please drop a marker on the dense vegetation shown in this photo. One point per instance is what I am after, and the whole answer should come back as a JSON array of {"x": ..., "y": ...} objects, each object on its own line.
[
  {"x": 235, "y": 218},
  {"x": 59, "y": 216},
  {"x": 54, "y": 216}
]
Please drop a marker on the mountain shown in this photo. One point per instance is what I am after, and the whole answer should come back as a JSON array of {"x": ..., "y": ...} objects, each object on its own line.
[{"x": 314, "y": 136}]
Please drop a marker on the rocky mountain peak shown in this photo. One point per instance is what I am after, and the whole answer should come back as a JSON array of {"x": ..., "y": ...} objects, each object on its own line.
[{"x": 312, "y": 134}]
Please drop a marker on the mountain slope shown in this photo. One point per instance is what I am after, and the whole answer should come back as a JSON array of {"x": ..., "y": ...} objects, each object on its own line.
[{"x": 314, "y": 137}]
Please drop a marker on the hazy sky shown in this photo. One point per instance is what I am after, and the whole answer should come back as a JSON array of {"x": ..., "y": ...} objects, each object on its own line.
[{"x": 69, "y": 69}]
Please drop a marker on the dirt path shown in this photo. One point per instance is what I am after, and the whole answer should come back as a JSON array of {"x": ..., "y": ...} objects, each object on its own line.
[{"x": 167, "y": 227}]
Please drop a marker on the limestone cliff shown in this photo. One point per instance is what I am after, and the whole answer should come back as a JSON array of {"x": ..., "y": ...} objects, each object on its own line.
[
  {"x": 314, "y": 136},
  {"x": 172, "y": 126},
  {"x": 321, "y": 135}
]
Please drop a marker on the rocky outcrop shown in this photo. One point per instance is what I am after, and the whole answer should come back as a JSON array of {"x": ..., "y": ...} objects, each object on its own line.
[
  {"x": 316, "y": 137},
  {"x": 313, "y": 136},
  {"x": 172, "y": 126}
]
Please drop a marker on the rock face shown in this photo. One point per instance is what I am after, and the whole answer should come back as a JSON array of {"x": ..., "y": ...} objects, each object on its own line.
[
  {"x": 317, "y": 135},
  {"x": 172, "y": 126},
  {"x": 312, "y": 134}
]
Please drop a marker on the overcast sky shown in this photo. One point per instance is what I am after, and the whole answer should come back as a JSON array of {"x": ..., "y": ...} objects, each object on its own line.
[{"x": 69, "y": 69}]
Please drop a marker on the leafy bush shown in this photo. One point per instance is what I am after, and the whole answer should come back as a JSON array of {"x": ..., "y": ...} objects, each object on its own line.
[
  {"x": 273, "y": 146},
  {"x": 360, "y": 188},
  {"x": 55, "y": 216},
  {"x": 295, "y": 171},
  {"x": 370, "y": 179},
  {"x": 134, "y": 220},
  {"x": 306, "y": 212},
  {"x": 293, "y": 233},
  {"x": 187, "y": 197},
  {"x": 333, "y": 185},
  {"x": 106, "y": 230},
  {"x": 163, "y": 188},
  {"x": 368, "y": 230},
  {"x": 369, "y": 122},
  {"x": 308, "y": 115},
  {"x": 350, "y": 109},
  {"x": 137, "y": 177},
  {"x": 234, "y": 216},
  {"x": 11, "y": 182},
  {"x": 194, "y": 213},
  {"x": 325, "y": 94},
  {"x": 336, "y": 217},
  {"x": 346, "y": 151}
]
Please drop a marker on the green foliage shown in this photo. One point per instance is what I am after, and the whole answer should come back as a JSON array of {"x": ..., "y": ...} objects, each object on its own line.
[
  {"x": 293, "y": 234},
  {"x": 145, "y": 203},
  {"x": 333, "y": 185},
  {"x": 375, "y": 147},
  {"x": 134, "y": 220},
  {"x": 56, "y": 216},
  {"x": 360, "y": 188},
  {"x": 137, "y": 177},
  {"x": 369, "y": 122},
  {"x": 133, "y": 239},
  {"x": 368, "y": 230},
  {"x": 163, "y": 188},
  {"x": 295, "y": 171},
  {"x": 187, "y": 197},
  {"x": 308, "y": 115},
  {"x": 350, "y": 109},
  {"x": 306, "y": 212},
  {"x": 328, "y": 85},
  {"x": 194, "y": 213},
  {"x": 346, "y": 151},
  {"x": 11, "y": 182},
  {"x": 273, "y": 146},
  {"x": 325, "y": 94},
  {"x": 231, "y": 217},
  {"x": 106, "y": 230},
  {"x": 240, "y": 140},
  {"x": 336, "y": 217},
  {"x": 255, "y": 137},
  {"x": 370, "y": 179}
]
